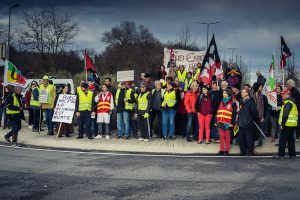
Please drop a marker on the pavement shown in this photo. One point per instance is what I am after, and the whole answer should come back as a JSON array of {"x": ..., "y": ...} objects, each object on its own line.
[
  {"x": 155, "y": 146},
  {"x": 46, "y": 174}
]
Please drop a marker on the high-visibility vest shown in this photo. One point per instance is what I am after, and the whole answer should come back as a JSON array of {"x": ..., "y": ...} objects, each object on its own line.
[
  {"x": 32, "y": 101},
  {"x": 187, "y": 83},
  {"x": 85, "y": 101},
  {"x": 49, "y": 89},
  {"x": 292, "y": 120},
  {"x": 162, "y": 92},
  {"x": 128, "y": 106},
  {"x": 169, "y": 99},
  {"x": 15, "y": 103},
  {"x": 103, "y": 105},
  {"x": 181, "y": 75},
  {"x": 224, "y": 114},
  {"x": 143, "y": 101},
  {"x": 195, "y": 76},
  {"x": 78, "y": 89}
]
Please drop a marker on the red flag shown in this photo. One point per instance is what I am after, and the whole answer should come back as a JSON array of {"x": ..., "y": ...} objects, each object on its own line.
[
  {"x": 285, "y": 53},
  {"x": 88, "y": 63}
]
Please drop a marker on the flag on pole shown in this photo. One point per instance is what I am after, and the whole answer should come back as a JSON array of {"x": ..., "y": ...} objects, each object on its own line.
[
  {"x": 285, "y": 53},
  {"x": 211, "y": 63},
  {"x": 12, "y": 75},
  {"x": 270, "y": 84},
  {"x": 90, "y": 67}
]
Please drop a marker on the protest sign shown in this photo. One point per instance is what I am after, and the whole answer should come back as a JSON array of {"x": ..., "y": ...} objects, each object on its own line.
[
  {"x": 127, "y": 75},
  {"x": 64, "y": 109},
  {"x": 184, "y": 57}
]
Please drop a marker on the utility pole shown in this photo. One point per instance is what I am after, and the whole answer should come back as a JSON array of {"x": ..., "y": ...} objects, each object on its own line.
[
  {"x": 207, "y": 30},
  {"x": 232, "y": 49}
]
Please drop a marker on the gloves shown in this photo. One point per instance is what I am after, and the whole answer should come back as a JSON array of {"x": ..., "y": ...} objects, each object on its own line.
[{"x": 146, "y": 115}]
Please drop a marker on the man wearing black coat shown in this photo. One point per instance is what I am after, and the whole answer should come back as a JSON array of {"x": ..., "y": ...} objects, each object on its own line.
[{"x": 247, "y": 115}]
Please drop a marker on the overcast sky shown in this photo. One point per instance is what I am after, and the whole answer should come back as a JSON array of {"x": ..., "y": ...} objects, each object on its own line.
[{"x": 253, "y": 26}]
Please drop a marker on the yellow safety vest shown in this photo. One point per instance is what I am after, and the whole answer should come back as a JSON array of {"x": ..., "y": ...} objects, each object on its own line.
[
  {"x": 162, "y": 92},
  {"x": 49, "y": 88},
  {"x": 128, "y": 106},
  {"x": 187, "y": 83},
  {"x": 292, "y": 120},
  {"x": 85, "y": 101},
  {"x": 181, "y": 76},
  {"x": 32, "y": 101},
  {"x": 169, "y": 99},
  {"x": 15, "y": 103},
  {"x": 143, "y": 101}
]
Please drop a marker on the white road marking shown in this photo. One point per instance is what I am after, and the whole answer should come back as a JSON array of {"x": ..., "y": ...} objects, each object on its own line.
[{"x": 132, "y": 154}]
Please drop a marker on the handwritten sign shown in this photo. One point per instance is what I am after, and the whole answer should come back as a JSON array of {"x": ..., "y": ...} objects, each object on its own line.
[
  {"x": 125, "y": 75},
  {"x": 43, "y": 96},
  {"x": 64, "y": 109}
]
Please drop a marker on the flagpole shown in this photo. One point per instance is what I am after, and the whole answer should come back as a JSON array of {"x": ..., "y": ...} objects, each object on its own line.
[{"x": 85, "y": 66}]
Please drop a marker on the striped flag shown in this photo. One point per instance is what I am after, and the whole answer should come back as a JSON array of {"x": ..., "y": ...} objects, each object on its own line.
[
  {"x": 285, "y": 53},
  {"x": 270, "y": 84},
  {"x": 12, "y": 75}
]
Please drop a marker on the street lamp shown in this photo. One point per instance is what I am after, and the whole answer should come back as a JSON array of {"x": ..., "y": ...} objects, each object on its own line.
[
  {"x": 232, "y": 49},
  {"x": 207, "y": 24},
  {"x": 8, "y": 37}
]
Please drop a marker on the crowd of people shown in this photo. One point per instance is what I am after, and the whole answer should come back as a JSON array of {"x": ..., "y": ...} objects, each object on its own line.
[{"x": 176, "y": 104}]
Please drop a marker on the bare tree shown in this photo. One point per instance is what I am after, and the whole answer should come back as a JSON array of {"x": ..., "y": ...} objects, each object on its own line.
[
  {"x": 185, "y": 36},
  {"x": 48, "y": 31}
]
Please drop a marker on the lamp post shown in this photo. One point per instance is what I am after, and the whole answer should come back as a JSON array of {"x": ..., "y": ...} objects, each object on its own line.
[
  {"x": 8, "y": 36},
  {"x": 207, "y": 24},
  {"x": 232, "y": 49}
]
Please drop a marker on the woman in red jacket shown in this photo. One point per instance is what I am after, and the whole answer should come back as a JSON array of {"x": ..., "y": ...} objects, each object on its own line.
[
  {"x": 225, "y": 120},
  {"x": 204, "y": 108}
]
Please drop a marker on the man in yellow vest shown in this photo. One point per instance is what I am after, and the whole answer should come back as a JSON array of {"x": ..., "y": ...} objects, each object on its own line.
[
  {"x": 85, "y": 108},
  {"x": 47, "y": 95},
  {"x": 124, "y": 102},
  {"x": 288, "y": 121},
  {"x": 143, "y": 108},
  {"x": 35, "y": 106},
  {"x": 14, "y": 113}
]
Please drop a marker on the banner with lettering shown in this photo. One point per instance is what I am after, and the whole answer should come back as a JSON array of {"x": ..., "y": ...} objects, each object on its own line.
[{"x": 64, "y": 109}]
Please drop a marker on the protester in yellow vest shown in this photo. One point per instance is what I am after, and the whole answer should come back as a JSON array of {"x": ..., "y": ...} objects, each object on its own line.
[
  {"x": 124, "y": 103},
  {"x": 181, "y": 74},
  {"x": 170, "y": 102},
  {"x": 288, "y": 121},
  {"x": 189, "y": 79},
  {"x": 47, "y": 95},
  {"x": 85, "y": 108},
  {"x": 14, "y": 113},
  {"x": 35, "y": 106},
  {"x": 143, "y": 108}
]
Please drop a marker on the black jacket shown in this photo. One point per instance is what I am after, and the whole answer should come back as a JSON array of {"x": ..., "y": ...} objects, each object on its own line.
[
  {"x": 296, "y": 95},
  {"x": 215, "y": 103},
  {"x": 248, "y": 113}
]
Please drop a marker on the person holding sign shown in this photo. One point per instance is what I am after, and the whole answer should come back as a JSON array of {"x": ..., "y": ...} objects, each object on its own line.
[
  {"x": 47, "y": 95},
  {"x": 85, "y": 107},
  {"x": 35, "y": 106},
  {"x": 105, "y": 105}
]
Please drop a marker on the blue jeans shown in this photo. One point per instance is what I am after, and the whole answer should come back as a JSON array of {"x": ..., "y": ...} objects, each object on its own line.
[
  {"x": 214, "y": 134},
  {"x": 49, "y": 115},
  {"x": 168, "y": 118},
  {"x": 190, "y": 126},
  {"x": 123, "y": 123}
]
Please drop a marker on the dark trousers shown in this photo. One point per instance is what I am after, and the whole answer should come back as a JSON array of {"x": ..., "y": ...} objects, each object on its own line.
[
  {"x": 30, "y": 120},
  {"x": 85, "y": 122},
  {"x": 36, "y": 118},
  {"x": 6, "y": 123},
  {"x": 179, "y": 126},
  {"x": 246, "y": 140},
  {"x": 94, "y": 126},
  {"x": 133, "y": 127},
  {"x": 191, "y": 124},
  {"x": 287, "y": 135},
  {"x": 15, "y": 123},
  {"x": 144, "y": 127},
  {"x": 298, "y": 128},
  {"x": 260, "y": 136},
  {"x": 158, "y": 114}
]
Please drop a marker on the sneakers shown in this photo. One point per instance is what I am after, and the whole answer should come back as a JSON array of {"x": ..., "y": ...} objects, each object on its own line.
[
  {"x": 30, "y": 126},
  {"x": 207, "y": 142},
  {"x": 35, "y": 130},
  {"x": 277, "y": 157},
  {"x": 200, "y": 142},
  {"x": 140, "y": 139},
  {"x": 98, "y": 137},
  {"x": 146, "y": 140},
  {"x": 189, "y": 140},
  {"x": 107, "y": 137},
  {"x": 80, "y": 137},
  {"x": 7, "y": 138}
]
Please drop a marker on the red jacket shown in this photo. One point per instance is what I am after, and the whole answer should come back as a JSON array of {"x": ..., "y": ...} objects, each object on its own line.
[{"x": 190, "y": 101}]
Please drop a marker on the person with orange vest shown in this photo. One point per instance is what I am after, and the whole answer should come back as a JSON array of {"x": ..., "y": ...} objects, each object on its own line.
[
  {"x": 105, "y": 105},
  {"x": 226, "y": 116}
]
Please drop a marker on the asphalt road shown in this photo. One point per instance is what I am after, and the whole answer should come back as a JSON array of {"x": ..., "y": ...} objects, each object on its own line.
[{"x": 30, "y": 174}]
